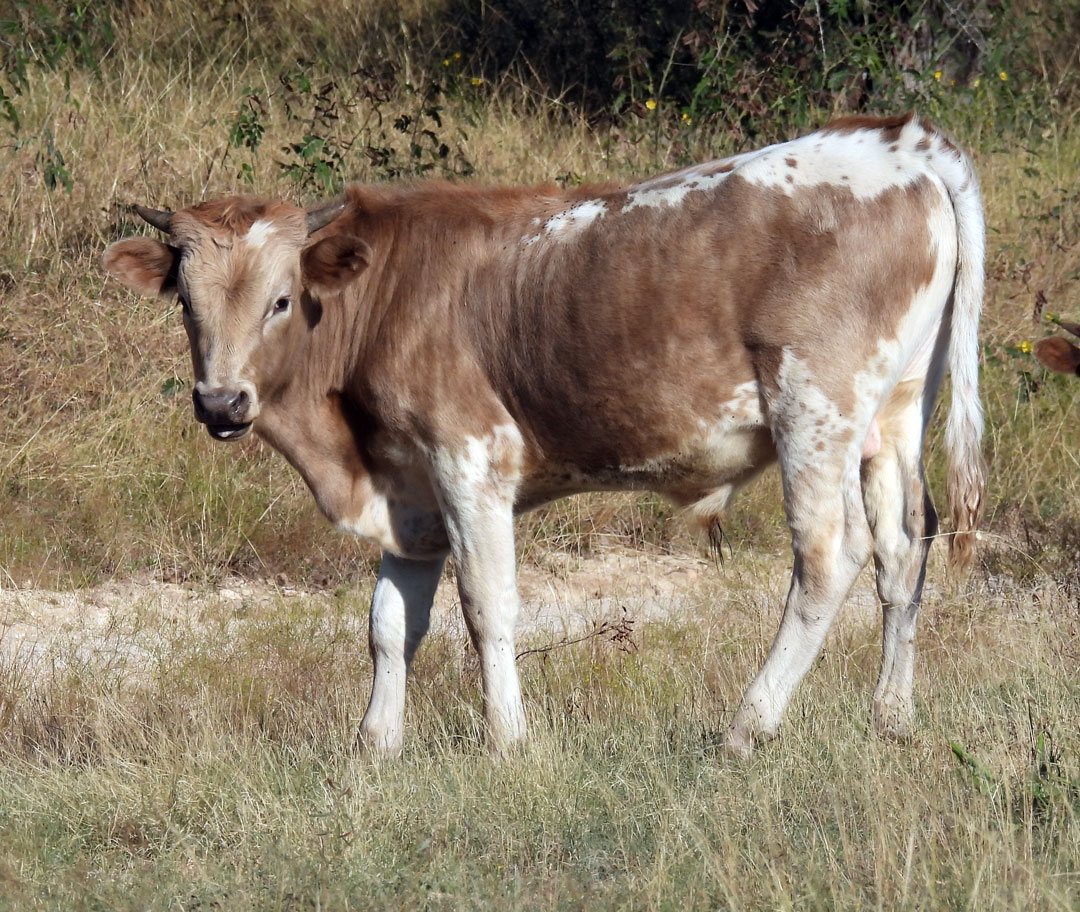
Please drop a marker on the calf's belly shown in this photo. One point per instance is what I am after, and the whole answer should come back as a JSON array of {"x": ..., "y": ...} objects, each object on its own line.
[{"x": 702, "y": 466}]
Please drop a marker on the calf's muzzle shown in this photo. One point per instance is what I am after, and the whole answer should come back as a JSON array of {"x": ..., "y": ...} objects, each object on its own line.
[{"x": 223, "y": 411}]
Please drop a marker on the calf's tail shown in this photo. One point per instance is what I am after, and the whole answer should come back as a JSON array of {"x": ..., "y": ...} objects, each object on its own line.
[{"x": 966, "y": 478}]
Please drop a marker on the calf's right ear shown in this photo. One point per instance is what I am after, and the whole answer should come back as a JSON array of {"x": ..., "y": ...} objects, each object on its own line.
[
  {"x": 334, "y": 261},
  {"x": 1058, "y": 354},
  {"x": 143, "y": 264}
]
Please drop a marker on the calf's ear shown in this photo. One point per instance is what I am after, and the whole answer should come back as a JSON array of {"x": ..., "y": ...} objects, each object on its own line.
[
  {"x": 335, "y": 261},
  {"x": 143, "y": 265},
  {"x": 1058, "y": 354}
]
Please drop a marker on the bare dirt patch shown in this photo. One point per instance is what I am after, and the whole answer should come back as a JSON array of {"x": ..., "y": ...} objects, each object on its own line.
[
  {"x": 563, "y": 596},
  {"x": 128, "y": 626}
]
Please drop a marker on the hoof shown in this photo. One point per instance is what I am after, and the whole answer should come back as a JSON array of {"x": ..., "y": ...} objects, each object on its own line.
[
  {"x": 738, "y": 744},
  {"x": 506, "y": 733},
  {"x": 504, "y": 749},
  {"x": 892, "y": 722},
  {"x": 378, "y": 746}
]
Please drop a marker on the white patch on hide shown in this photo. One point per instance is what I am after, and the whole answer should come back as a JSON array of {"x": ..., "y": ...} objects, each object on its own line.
[
  {"x": 807, "y": 419},
  {"x": 259, "y": 233},
  {"x": 575, "y": 219},
  {"x": 569, "y": 223},
  {"x": 742, "y": 412},
  {"x": 671, "y": 190},
  {"x": 860, "y": 161},
  {"x": 373, "y": 523}
]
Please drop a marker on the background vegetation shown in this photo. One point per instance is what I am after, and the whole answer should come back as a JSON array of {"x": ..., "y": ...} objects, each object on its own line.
[
  {"x": 104, "y": 104},
  {"x": 221, "y": 776}
]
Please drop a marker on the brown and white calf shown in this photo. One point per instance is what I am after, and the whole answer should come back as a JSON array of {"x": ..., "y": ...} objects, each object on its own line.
[{"x": 435, "y": 358}]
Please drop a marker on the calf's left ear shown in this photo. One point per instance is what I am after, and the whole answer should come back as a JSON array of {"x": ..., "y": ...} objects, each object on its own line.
[
  {"x": 143, "y": 264},
  {"x": 334, "y": 261},
  {"x": 1058, "y": 354}
]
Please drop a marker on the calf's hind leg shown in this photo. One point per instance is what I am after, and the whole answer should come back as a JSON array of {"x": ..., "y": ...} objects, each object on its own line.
[
  {"x": 903, "y": 522},
  {"x": 831, "y": 545}
]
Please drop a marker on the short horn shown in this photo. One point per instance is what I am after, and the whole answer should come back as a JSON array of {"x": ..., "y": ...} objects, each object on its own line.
[
  {"x": 156, "y": 217},
  {"x": 324, "y": 215},
  {"x": 1073, "y": 328}
]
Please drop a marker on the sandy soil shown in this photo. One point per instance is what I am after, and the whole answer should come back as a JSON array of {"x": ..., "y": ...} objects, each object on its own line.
[
  {"x": 564, "y": 597},
  {"x": 129, "y": 626}
]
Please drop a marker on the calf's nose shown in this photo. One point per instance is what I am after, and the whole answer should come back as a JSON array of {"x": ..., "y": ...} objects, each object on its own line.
[{"x": 220, "y": 406}]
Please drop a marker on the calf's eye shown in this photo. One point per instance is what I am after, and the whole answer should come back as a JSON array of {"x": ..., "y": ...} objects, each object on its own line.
[{"x": 281, "y": 305}]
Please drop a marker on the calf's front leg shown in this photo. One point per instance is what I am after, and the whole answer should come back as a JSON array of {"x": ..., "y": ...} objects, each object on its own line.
[
  {"x": 478, "y": 510},
  {"x": 489, "y": 600},
  {"x": 400, "y": 615}
]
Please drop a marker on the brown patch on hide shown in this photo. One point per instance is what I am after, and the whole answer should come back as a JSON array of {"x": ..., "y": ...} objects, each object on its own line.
[{"x": 889, "y": 127}]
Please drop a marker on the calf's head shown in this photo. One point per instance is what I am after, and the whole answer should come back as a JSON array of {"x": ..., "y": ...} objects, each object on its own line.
[{"x": 244, "y": 272}]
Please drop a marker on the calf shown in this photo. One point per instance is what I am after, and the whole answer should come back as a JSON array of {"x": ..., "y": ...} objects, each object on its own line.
[{"x": 436, "y": 358}]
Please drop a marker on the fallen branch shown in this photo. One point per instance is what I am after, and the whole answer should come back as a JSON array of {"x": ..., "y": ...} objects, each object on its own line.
[{"x": 620, "y": 632}]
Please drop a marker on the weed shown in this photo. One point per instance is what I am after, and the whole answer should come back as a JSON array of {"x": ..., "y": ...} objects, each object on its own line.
[{"x": 347, "y": 125}]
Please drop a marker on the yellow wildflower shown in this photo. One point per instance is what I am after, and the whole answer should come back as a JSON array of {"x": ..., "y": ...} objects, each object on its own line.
[
  {"x": 1025, "y": 347},
  {"x": 446, "y": 62},
  {"x": 687, "y": 119},
  {"x": 457, "y": 55},
  {"x": 1003, "y": 76},
  {"x": 1053, "y": 318},
  {"x": 476, "y": 80},
  {"x": 651, "y": 104},
  {"x": 976, "y": 82},
  {"x": 937, "y": 75}
]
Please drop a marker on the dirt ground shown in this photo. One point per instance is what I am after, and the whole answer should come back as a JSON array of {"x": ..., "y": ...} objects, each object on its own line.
[
  {"x": 565, "y": 597},
  {"x": 127, "y": 623}
]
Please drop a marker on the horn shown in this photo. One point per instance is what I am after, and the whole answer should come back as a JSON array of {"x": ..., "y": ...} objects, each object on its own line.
[
  {"x": 324, "y": 215},
  {"x": 1073, "y": 328},
  {"x": 156, "y": 217}
]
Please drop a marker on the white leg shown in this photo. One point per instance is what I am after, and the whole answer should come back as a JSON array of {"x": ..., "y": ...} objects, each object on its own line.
[
  {"x": 485, "y": 564},
  {"x": 903, "y": 523},
  {"x": 477, "y": 490},
  {"x": 400, "y": 614},
  {"x": 831, "y": 544}
]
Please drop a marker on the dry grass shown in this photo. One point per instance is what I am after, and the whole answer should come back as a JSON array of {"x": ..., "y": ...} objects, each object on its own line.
[
  {"x": 209, "y": 763},
  {"x": 204, "y": 760}
]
